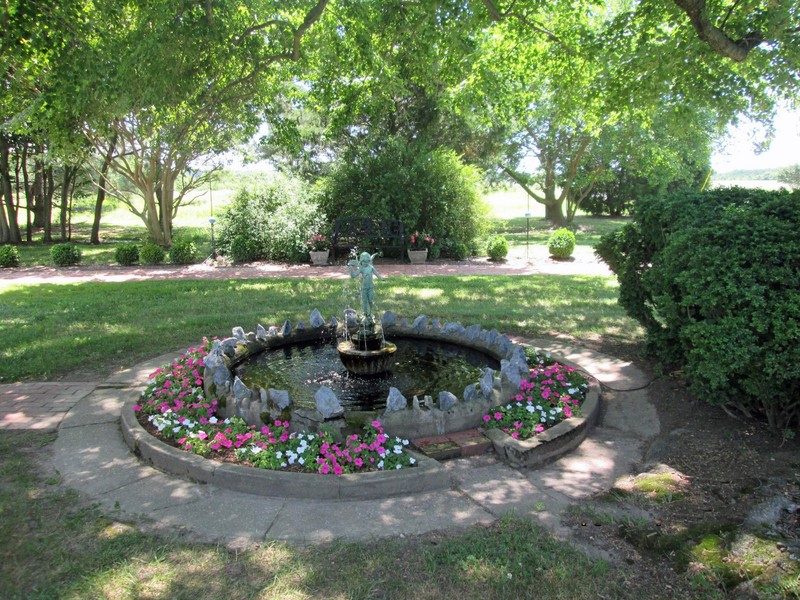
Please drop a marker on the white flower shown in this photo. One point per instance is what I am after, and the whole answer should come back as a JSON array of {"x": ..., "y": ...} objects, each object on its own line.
[
  {"x": 399, "y": 467},
  {"x": 255, "y": 449},
  {"x": 283, "y": 464},
  {"x": 405, "y": 442},
  {"x": 530, "y": 409},
  {"x": 301, "y": 460},
  {"x": 413, "y": 460},
  {"x": 380, "y": 465},
  {"x": 279, "y": 454},
  {"x": 213, "y": 420}
]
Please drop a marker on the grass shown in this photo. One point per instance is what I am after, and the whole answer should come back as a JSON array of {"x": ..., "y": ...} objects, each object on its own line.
[
  {"x": 49, "y": 330},
  {"x": 54, "y": 545}
]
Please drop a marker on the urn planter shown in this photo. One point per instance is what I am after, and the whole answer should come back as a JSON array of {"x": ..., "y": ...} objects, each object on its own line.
[
  {"x": 319, "y": 258},
  {"x": 417, "y": 257}
]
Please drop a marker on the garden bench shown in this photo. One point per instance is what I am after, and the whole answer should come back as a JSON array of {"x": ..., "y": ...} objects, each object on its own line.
[{"x": 367, "y": 233}]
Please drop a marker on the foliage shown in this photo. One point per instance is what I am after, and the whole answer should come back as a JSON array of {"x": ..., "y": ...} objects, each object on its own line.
[
  {"x": 549, "y": 395},
  {"x": 426, "y": 189},
  {"x": 9, "y": 256},
  {"x": 713, "y": 277},
  {"x": 790, "y": 176},
  {"x": 497, "y": 247},
  {"x": 183, "y": 252},
  {"x": 561, "y": 243},
  {"x": 318, "y": 243},
  {"x": 64, "y": 255},
  {"x": 152, "y": 254},
  {"x": 127, "y": 253},
  {"x": 456, "y": 250},
  {"x": 420, "y": 241},
  {"x": 273, "y": 222}
]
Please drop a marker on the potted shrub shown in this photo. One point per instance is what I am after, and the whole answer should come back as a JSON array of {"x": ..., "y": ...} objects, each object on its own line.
[
  {"x": 318, "y": 249},
  {"x": 418, "y": 246}
]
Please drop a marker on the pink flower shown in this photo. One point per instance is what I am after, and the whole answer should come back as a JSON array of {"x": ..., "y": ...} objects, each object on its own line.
[
  {"x": 337, "y": 470},
  {"x": 182, "y": 441},
  {"x": 358, "y": 462},
  {"x": 539, "y": 428},
  {"x": 325, "y": 469},
  {"x": 202, "y": 435},
  {"x": 515, "y": 435},
  {"x": 487, "y": 418},
  {"x": 498, "y": 416},
  {"x": 568, "y": 411},
  {"x": 137, "y": 407}
]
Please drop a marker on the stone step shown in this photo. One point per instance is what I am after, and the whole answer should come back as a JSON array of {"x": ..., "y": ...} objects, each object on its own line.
[{"x": 459, "y": 444}]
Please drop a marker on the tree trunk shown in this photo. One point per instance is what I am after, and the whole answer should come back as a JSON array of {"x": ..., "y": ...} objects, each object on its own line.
[
  {"x": 101, "y": 191},
  {"x": 48, "y": 189},
  {"x": 10, "y": 228},
  {"x": 65, "y": 217}
]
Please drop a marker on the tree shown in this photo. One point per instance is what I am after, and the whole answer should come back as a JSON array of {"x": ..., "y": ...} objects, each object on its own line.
[
  {"x": 790, "y": 176},
  {"x": 168, "y": 81}
]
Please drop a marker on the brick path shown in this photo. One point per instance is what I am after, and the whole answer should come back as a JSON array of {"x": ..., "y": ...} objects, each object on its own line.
[{"x": 39, "y": 405}]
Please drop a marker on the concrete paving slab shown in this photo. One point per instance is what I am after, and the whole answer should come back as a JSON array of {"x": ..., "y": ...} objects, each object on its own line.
[
  {"x": 592, "y": 468},
  {"x": 101, "y": 406},
  {"x": 309, "y": 521},
  {"x": 610, "y": 371},
  {"x": 237, "y": 520},
  {"x": 155, "y": 492},
  {"x": 95, "y": 460},
  {"x": 138, "y": 374},
  {"x": 631, "y": 412}
]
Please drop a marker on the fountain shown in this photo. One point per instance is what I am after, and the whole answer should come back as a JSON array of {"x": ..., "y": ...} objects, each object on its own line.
[{"x": 367, "y": 352}]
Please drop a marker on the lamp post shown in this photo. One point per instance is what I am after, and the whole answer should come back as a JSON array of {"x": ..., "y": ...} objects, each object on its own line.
[{"x": 212, "y": 220}]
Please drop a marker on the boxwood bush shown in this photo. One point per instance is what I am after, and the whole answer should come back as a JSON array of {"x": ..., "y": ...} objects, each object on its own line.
[
  {"x": 561, "y": 243},
  {"x": 9, "y": 256},
  {"x": 152, "y": 254},
  {"x": 497, "y": 247},
  {"x": 64, "y": 255},
  {"x": 183, "y": 252},
  {"x": 127, "y": 253},
  {"x": 714, "y": 278}
]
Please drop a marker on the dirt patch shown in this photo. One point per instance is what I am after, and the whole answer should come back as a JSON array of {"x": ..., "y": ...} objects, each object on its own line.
[{"x": 712, "y": 508}]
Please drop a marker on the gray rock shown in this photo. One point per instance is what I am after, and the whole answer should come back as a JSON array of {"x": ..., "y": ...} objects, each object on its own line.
[
  {"x": 420, "y": 323},
  {"x": 261, "y": 333},
  {"x": 415, "y": 403},
  {"x": 251, "y": 337},
  {"x": 328, "y": 404},
  {"x": 350, "y": 317},
  {"x": 389, "y": 319},
  {"x": 286, "y": 330},
  {"x": 316, "y": 321},
  {"x": 473, "y": 332},
  {"x": 454, "y": 329},
  {"x": 511, "y": 373},
  {"x": 437, "y": 324},
  {"x": 280, "y": 398},
  {"x": 396, "y": 402},
  {"x": 238, "y": 333},
  {"x": 228, "y": 347},
  {"x": 487, "y": 383},
  {"x": 334, "y": 323},
  {"x": 222, "y": 379},
  {"x": 427, "y": 401},
  {"x": 447, "y": 400},
  {"x": 471, "y": 393},
  {"x": 300, "y": 327},
  {"x": 493, "y": 337},
  {"x": 214, "y": 358},
  {"x": 240, "y": 390},
  {"x": 273, "y": 331}
]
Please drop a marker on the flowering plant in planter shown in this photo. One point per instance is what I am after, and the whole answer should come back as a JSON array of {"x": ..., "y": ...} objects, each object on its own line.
[
  {"x": 317, "y": 243},
  {"x": 549, "y": 395},
  {"x": 175, "y": 410},
  {"x": 420, "y": 241}
]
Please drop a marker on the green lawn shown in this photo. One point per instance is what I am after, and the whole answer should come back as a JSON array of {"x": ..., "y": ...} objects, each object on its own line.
[{"x": 50, "y": 330}]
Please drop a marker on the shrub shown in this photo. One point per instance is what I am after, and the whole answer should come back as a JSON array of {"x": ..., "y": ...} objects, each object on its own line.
[
  {"x": 497, "y": 247},
  {"x": 183, "y": 252},
  {"x": 152, "y": 254},
  {"x": 456, "y": 250},
  {"x": 427, "y": 189},
  {"x": 561, "y": 243},
  {"x": 64, "y": 255},
  {"x": 9, "y": 256},
  {"x": 714, "y": 279},
  {"x": 127, "y": 254},
  {"x": 271, "y": 222}
]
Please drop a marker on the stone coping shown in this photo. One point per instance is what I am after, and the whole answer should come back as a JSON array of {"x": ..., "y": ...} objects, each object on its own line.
[
  {"x": 551, "y": 443},
  {"x": 427, "y": 476}
]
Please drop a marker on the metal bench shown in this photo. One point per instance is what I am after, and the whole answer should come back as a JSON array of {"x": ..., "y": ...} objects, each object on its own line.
[{"x": 369, "y": 234}]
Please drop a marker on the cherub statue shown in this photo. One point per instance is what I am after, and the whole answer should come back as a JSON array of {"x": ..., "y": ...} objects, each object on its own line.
[{"x": 365, "y": 268}]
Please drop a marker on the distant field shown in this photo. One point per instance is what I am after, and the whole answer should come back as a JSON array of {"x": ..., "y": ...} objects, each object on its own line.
[{"x": 763, "y": 184}]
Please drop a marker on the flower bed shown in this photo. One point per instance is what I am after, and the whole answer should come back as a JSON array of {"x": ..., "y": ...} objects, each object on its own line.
[
  {"x": 172, "y": 407},
  {"x": 551, "y": 393},
  {"x": 551, "y": 414}
]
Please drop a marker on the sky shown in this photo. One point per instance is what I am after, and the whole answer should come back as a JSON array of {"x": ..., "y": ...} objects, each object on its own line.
[{"x": 737, "y": 150}]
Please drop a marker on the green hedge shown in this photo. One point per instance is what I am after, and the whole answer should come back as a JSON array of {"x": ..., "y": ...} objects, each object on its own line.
[
  {"x": 127, "y": 253},
  {"x": 561, "y": 243},
  {"x": 9, "y": 256},
  {"x": 65, "y": 255},
  {"x": 714, "y": 278}
]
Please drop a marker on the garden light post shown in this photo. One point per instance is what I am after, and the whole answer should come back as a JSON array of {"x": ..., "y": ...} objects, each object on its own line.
[{"x": 212, "y": 220}]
